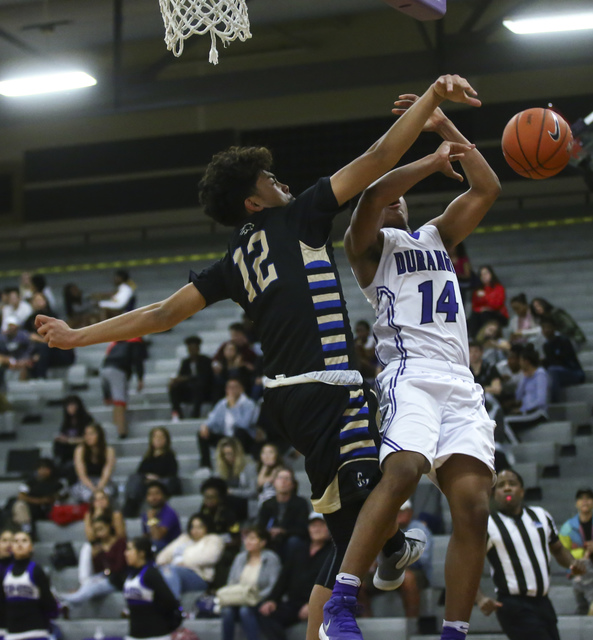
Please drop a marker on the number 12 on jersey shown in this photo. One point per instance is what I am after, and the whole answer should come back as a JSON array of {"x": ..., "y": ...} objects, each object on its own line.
[
  {"x": 261, "y": 280},
  {"x": 446, "y": 303}
]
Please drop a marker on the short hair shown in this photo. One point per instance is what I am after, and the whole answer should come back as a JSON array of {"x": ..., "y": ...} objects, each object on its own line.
[
  {"x": 230, "y": 178},
  {"x": 123, "y": 274},
  {"x": 12, "y": 290},
  {"x": 260, "y": 532},
  {"x": 530, "y": 354},
  {"x": 516, "y": 474},
  {"x": 48, "y": 463},
  {"x": 521, "y": 298},
  {"x": 38, "y": 281},
  {"x": 193, "y": 340},
  {"x": 143, "y": 544},
  {"x": 237, "y": 326},
  {"x": 207, "y": 522},
  {"x": 236, "y": 379},
  {"x": 363, "y": 323},
  {"x": 215, "y": 483},
  {"x": 548, "y": 319},
  {"x": 159, "y": 485},
  {"x": 474, "y": 343},
  {"x": 517, "y": 349}
]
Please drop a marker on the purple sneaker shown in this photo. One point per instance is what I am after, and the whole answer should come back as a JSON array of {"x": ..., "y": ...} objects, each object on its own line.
[{"x": 339, "y": 619}]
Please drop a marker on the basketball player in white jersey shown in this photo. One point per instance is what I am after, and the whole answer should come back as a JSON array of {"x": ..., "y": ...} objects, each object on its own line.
[{"x": 433, "y": 416}]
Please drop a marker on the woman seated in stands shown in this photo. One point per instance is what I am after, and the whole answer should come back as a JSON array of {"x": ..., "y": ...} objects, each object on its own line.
[
  {"x": 74, "y": 421},
  {"x": 188, "y": 563},
  {"x": 99, "y": 506},
  {"x": 523, "y": 328},
  {"x": 78, "y": 307},
  {"x": 109, "y": 565},
  {"x": 232, "y": 365},
  {"x": 488, "y": 302},
  {"x": 565, "y": 323},
  {"x": 27, "y": 595},
  {"x": 495, "y": 347},
  {"x": 159, "y": 463},
  {"x": 270, "y": 462},
  {"x": 238, "y": 472},
  {"x": 93, "y": 462},
  {"x": 531, "y": 399},
  {"x": 154, "y": 610}
]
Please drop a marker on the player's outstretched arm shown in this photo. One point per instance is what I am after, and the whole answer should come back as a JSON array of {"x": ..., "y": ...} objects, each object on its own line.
[
  {"x": 153, "y": 318},
  {"x": 387, "y": 151},
  {"x": 363, "y": 240}
]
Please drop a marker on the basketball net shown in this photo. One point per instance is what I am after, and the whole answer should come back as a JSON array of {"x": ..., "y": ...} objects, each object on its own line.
[{"x": 227, "y": 19}]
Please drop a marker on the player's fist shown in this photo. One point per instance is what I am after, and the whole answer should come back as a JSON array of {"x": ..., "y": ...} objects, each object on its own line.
[
  {"x": 56, "y": 333},
  {"x": 456, "y": 89},
  {"x": 488, "y": 605}
]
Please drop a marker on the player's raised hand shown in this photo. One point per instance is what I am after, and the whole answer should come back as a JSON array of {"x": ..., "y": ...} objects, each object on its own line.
[
  {"x": 447, "y": 153},
  {"x": 406, "y": 100},
  {"x": 456, "y": 89},
  {"x": 56, "y": 333}
]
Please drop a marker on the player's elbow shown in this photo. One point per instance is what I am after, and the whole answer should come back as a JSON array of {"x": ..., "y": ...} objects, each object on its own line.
[
  {"x": 489, "y": 190},
  {"x": 162, "y": 317}
]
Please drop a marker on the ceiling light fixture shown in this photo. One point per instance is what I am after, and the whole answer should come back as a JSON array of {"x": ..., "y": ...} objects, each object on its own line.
[
  {"x": 550, "y": 24},
  {"x": 49, "y": 83}
]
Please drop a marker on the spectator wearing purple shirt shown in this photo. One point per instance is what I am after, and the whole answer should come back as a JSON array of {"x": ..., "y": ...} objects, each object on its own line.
[{"x": 160, "y": 522}]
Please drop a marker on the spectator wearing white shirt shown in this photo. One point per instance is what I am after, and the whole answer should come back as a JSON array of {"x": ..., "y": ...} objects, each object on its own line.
[
  {"x": 15, "y": 308},
  {"x": 123, "y": 299}
]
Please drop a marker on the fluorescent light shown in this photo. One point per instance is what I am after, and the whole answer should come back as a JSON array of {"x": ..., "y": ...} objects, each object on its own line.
[
  {"x": 49, "y": 83},
  {"x": 589, "y": 119},
  {"x": 549, "y": 24}
]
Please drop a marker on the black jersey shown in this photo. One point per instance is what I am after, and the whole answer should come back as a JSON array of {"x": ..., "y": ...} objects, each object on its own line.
[{"x": 280, "y": 269}]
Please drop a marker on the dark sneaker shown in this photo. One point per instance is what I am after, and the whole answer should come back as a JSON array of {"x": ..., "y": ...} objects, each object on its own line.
[
  {"x": 390, "y": 572},
  {"x": 339, "y": 619}
]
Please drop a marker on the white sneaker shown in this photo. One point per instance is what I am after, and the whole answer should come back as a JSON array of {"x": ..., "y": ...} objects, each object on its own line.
[{"x": 391, "y": 570}]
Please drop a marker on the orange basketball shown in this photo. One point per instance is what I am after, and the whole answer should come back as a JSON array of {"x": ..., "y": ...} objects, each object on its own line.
[{"x": 537, "y": 143}]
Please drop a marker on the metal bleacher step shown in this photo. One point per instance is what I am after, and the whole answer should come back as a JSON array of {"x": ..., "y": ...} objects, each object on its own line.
[{"x": 555, "y": 432}]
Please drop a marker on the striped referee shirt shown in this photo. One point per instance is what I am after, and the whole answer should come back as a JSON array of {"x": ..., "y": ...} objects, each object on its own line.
[{"x": 518, "y": 551}]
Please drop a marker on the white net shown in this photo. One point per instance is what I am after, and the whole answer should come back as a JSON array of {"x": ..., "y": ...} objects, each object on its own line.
[{"x": 227, "y": 19}]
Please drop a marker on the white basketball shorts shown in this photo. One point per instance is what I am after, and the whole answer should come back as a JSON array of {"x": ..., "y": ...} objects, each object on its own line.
[{"x": 434, "y": 408}]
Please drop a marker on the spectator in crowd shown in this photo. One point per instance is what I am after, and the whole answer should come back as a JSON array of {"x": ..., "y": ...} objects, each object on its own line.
[
  {"x": 560, "y": 359},
  {"x": 485, "y": 374},
  {"x": 15, "y": 308},
  {"x": 522, "y": 327},
  {"x": 238, "y": 335},
  {"x": 6, "y": 559},
  {"x": 488, "y": 301},
  {"x": 37, "y": 496},
  {"x": 122, "y": 359},
  {"x": 74, "y": 421},
  {"x": 565, "y": 323},
  {"x": 494, "y": 346},
  {"x": 77, "y": 307},
  {"x": 154, "y": 610},
  {"x": 39, "y": 304},
  {"x": 364, "y": 345},
  {"x": 159, "y": 463},
  {"x": 124, "y": 297},
  {"x": 17, "y": 350},
  {"x": 93, "y": 462},
  {"x": 510, "y": 375},
  {"x": 230, "y": 365},
  {"x": 520, "y": 542},
  {"x": 109, "y": 565},
  {"x": 193, "y": 383},
  {"x": 99, "y": 507},
  {"x": 39, "y": 285},
  {"x": 25, "y": 286},
  {"x": 188, "y": 563},
  {"x": 463, "y": 269},
  {"x": 531, "y": 398},
  {"x": 418, "y": 575},
  {"x": 288, "y": 602},
  {"x": 160, "y": 521},
  {"x": 239, "y": 474},
  {"x": 233, "y": 417},
  {"x": 270, "y": 462},
  {"x": 577, "y": 537},
  {"x": 29, "y": 602},
  {"x": 255, "y": 571},
  {"x": 285, "y": 516}
]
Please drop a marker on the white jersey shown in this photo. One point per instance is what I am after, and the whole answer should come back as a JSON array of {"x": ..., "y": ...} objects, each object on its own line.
[{"x": 417, "y": 300}]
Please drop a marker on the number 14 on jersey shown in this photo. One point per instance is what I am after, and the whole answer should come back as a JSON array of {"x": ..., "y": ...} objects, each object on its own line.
[{"x": 446, "y": 302}]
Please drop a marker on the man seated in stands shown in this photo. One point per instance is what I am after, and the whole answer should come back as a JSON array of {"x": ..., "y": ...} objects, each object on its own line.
[
  {"x": 17, "y": 350},
  {"x": 123, "y": 299},
  {"x": 160, "y": 522},
  {"x": 418, "y": 575},
  {"x": 510, "y": 375},
  {"x": 288, "y": 603},
  {"x": 285, "y": 516},
  {"x": 576, "y": 536},
  {"x": 233, "y": 416},
  {"x": 14, "y": 308},
  {"x": 37, "y": 496},
  {"x": 193, "y": 383},
  {"x": 560, "y": 359}
]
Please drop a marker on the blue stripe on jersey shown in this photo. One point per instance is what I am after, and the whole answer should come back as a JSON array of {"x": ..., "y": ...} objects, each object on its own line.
[
  {"x": 352, "y": 433},
  {"x": 333, "y": 346},
  {"x": 323, "y": 284},
  {"x": 327, "y": 304},
  {"x": 357, "y": 453},
  {"x": 318, "y": 264},
  {"x": 336, "y": 324},
  {"x": 341, "y": 365},
  {"x": 363, "y": 411},
  {"x": 392, "y": 445}
]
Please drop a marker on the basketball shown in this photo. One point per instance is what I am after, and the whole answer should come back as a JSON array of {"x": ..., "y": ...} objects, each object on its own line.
[{"x": 536, "y": 143}]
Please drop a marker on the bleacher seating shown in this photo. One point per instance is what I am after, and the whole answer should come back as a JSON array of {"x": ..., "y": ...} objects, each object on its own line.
[{"x": 554, "y": 458}]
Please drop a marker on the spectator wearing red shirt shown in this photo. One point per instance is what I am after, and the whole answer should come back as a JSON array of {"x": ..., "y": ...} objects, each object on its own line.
[{"x": 488, "y": 302}]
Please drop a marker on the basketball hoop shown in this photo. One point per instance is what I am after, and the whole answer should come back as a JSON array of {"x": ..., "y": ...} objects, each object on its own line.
[{"x": 227, "y": 19}]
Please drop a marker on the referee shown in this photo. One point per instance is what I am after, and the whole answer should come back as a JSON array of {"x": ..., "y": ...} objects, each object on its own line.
[{"x": 520, "y": 540}]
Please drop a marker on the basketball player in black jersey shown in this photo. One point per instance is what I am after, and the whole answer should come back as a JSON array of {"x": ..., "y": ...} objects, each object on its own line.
[{"x": 280, "y": 269}]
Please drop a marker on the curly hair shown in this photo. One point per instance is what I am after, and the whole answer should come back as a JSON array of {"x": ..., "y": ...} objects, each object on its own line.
[{"x": 230, "y": 178}]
